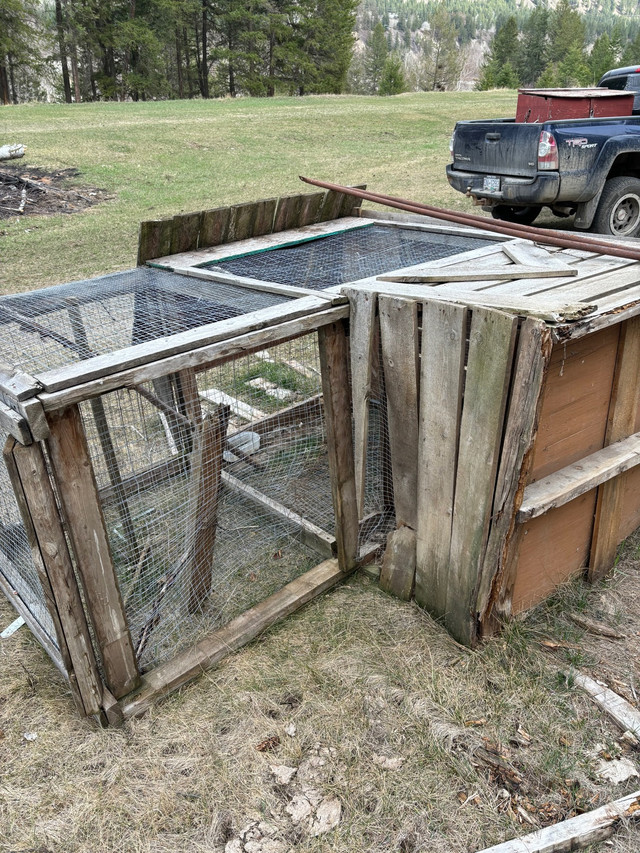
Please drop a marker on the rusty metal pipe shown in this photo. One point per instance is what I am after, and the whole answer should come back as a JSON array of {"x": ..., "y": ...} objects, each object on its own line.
[{"x": 528, "y": 232}]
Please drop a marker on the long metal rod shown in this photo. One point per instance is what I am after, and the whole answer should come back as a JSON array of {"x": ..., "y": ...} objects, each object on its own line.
[{"x": 511, "y": 229}]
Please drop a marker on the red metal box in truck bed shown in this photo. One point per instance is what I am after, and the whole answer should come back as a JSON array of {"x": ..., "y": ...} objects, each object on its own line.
[{"x": 540, "y": 105}]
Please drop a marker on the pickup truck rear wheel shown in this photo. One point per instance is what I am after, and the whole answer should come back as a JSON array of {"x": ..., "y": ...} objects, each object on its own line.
[
  {"x": 618, "y": 211},
  {"x": 511, "y": 213}
]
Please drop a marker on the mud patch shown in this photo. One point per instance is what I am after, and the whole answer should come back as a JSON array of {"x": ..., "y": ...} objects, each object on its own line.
[{"x": 37, "y": 192}]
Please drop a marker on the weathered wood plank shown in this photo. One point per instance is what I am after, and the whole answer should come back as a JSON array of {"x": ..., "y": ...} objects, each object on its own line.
[
  {"x": 198, "y": 358},
  {"x": 576, "y": 832},
  {"x": 528, "y": 254},
  {"x": 489, "y": 363},
  {"x": 362, "y": 355},
  {"x": 623, "y": 714},
  {"x": 312, "y": 535},
  {"x": 154, "y": 239},
  {"x": 624, "y": 406},
  {"x": 206, "y": 473},
  {"x": 265, "y": 213},
  {"x": 49, "y": 547},
  {"x": 287, "y": 214},
  {"x": 568, "y": 483},
  {"x": 240, "y": 631},
  {"x": 185, "y": 232},
  {"x": 75, "y": 480},
  {"x": 334, "y": 362},
  {"x": 532, "y": 360},
  {"x": 310, "y": 208},
  {"x": 15, "y": 424},
  {"x": 182, "y": 342},
  {"x": 471, "y": 273},
  {"x": 444, "y": 329},
  {"x": 397, "y": 573},
  {"x": 400, "y": 359},
  {"x": 242, "y": 219},
  {"x": 214, "y": 226}
]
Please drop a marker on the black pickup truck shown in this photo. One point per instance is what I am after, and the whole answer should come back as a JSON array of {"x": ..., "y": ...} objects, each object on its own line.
[{"x": 586, "y": 166}]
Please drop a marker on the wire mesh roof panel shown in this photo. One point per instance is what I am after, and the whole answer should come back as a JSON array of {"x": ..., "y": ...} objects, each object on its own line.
[
  {"x": 349, "y": 256},
  {"x": 61, "y": 325}
]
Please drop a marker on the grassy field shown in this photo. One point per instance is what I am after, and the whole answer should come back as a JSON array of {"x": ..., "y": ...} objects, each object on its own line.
[
  {"x": 412, "y": 742},
  {"x": 159, "y": 159}
]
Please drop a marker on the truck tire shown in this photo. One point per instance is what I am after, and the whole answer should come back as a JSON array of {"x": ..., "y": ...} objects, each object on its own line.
[
  {"x": 511, "y": 213},
  {"x": 618, "y": 210}
]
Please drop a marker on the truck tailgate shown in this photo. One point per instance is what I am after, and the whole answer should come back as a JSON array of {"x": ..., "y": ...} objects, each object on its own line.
[{"x": 496, "y": 147}]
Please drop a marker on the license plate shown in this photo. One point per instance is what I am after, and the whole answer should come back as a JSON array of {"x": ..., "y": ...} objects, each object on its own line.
[{"x": 491, "y": 184}]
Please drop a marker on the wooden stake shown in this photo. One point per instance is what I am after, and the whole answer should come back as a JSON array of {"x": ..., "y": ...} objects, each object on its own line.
[
  {"x": 361, "y": 348},
  {"x": 206, "y": 473},
  {"x": 399, "y": 337},
  {"x": 334, "y": 362},
  {"x": 76, "y": 484},
  {"x": 49, "y": 547}
]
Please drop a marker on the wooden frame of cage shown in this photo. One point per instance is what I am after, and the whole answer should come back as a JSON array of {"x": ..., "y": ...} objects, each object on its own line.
[
  {"x": 472, "y": 372},
  {"x": 73, "y": 533}
]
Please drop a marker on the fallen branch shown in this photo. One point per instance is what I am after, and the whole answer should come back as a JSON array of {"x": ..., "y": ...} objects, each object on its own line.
[
  {"x": 595, "y": 627},
  {"x": 619, "y": 710}
]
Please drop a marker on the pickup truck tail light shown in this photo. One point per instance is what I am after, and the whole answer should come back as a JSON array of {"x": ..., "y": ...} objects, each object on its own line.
[{"x": 547, "y": 151}]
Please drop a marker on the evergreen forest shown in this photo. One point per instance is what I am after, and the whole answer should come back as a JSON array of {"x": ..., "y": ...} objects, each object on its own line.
[{"x": 90, "y": 50}]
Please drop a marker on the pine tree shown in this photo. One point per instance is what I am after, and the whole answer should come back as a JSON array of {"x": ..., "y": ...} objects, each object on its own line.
[
  {"x": 566, "y": 31},
  {"x": 392, "y": 79},
  {"x": 531, "y": 58},
  {"x": 375, "y": 57},
  {"x": 601, "y": 58}
]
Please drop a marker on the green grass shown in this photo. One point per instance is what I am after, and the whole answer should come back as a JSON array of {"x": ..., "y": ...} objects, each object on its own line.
[{"x": 163, "y": 158}]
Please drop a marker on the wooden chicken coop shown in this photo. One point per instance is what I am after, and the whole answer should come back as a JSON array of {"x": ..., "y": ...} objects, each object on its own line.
[{"x": 281, "y": 390}]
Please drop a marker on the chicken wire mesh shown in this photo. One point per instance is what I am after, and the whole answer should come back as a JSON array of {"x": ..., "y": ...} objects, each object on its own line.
[
  {"x": 61, "y": 325},
  {"x": 215, "y": 490},
  {"x": 335, "y": 259},
  {"x": 16, "y": 561}
]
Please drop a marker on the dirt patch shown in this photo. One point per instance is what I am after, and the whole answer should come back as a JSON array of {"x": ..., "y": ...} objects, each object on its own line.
[{"x": 29, "y": 191}]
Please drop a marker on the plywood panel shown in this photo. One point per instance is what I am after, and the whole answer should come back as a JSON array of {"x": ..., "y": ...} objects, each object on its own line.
[
  {"x": 573, "y": 420},
  {"x": 553, "y": 548}
]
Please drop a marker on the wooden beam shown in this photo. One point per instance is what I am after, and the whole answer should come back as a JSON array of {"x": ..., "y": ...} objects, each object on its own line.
[
  {"x": 444, "y": 331},
  {"x": 471, "y": 273},
  {"x": 531, "y": 363},
  {"x": 489, "y": 365},
  {"x": 312, "y": 535},
  {"x": 334, "y": 362},
  {"x": 76, "y": 484},
  {"x": 240, "y": 631},
  {"x": 154, "y": 239},
  {"x": 362, "y": 355},
  {"x": 181, "y": 343},
  {"x": 14, "y": 424},
  {"x": 400, "y": 359},
  {"x": 563, "y": 486},
  {"x": 49, "y": 547},
  {"x": 206, "y": 473},
  {"x": 623, "y": 411},
  {"x": 575, "y": 833}
]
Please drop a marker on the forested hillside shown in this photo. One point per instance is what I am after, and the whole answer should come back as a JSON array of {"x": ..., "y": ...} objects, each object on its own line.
[{"x": 88, "y": 50}]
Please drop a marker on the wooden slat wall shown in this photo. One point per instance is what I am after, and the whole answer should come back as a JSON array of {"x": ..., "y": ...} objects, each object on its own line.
[{"x": 189, "y": 231}]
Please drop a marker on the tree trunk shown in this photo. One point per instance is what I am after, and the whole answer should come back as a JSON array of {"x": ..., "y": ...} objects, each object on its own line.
[
  {"x": 179, "y": 66},
  {"x": 204, "y": 60},
  {"x": 4, "y": 83},
  {"x": 63, "y": 52}
]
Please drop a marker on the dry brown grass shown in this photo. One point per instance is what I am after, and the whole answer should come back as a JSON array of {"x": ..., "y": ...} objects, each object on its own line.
[{"x": 371, "y": 701}]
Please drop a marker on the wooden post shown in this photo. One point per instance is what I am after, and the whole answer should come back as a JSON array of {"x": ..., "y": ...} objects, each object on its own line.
[
  {"x": 49, "y": 546},
  {"x": 362, "y": 353},
  {"x": 104, "y": 436},
  {"x": 444, "y": 329},
  {"x": 532, "y": 360},
  {"x": 399, "y": 336},
  {"x": 491, "y": 344},
  {"x": 623, "y": 411},
  {"x": 79, "y": 498},
  {"x": 334, "y": 362},
  {"x": 206, "y": 476}
]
